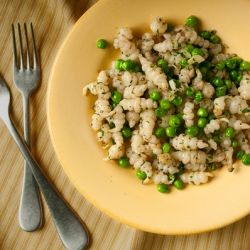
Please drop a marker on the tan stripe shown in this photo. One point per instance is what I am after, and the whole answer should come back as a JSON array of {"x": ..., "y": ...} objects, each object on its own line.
[
  {"x": 115, "y": 236},
  {"x": 10, "y": 191},
  {"x": 104, "y": 232},
  {"x": 126, "y": 239},
  {"x": 162, "y": 242},
  {"x": 10, "y": 220},
  {"x": 197, "y": 238},
  {"x": 208, "y": 240},
  {"x": 135, "y": 239},
  {"x": 244, "y": 232},
  {"x": 173, "y": 241},
  {"x": 230, "y": 235},
  {"x": 43, "y": 236},
  {"x": 184, "y": 242}
]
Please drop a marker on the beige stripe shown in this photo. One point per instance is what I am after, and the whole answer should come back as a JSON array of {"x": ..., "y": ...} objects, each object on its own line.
[
  {"x": 105, "y": 231},
  {"x": 125, "y": 241},
  {"x": 244, "y": 233},
  {"x": 196, "y": 241}
]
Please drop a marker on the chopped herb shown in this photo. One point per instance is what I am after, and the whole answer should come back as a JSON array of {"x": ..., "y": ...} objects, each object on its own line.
[
  {"x": 245, "y": 110},
  {"x": 154, "y": 155}
]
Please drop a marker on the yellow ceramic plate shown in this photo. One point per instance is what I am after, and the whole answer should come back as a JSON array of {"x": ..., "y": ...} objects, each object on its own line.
[{"x": 114, "y": 190}]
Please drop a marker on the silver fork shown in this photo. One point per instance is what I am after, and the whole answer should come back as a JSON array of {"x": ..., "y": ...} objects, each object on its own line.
[
  {"x": 26, "y": 80},
  {"x": 71, "y": 231}
]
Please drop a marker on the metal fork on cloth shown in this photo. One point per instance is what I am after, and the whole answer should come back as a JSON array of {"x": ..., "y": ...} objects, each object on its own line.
[
  {"x": 71, "y": 231},
  {"x": 26, "y": 79}
]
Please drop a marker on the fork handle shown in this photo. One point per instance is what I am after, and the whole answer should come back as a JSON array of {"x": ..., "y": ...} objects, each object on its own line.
[
  {"x": 30, "y": 211},
  {"x": 71, "y": 231}
]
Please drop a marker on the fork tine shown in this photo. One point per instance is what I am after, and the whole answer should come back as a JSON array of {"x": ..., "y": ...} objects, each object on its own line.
[
  {"x": 27, "y": 47},
  {"x": 21, "y": 46},
  {"x": 36, "y": 61},
  {"x": 14, "y": 47}
]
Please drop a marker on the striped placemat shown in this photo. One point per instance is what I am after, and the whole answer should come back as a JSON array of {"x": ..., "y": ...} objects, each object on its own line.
[{"x": 52, "y": 21}]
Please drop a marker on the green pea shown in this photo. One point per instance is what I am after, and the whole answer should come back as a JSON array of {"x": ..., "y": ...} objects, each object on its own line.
[
  {"x": 238, "y": 60},
  {"x": 184, "y": 62},
  {"x": 126, "y": 132},
  {"x": 166, "y": 148},
  {"x": 211, "y": 117},
  {"x": 202, "y": 112},
  {"x": 136, "y": 68},
  {"x": 128, "y": 65},
  {"x": 234, "y": 143},
  {"x": 155, "y": 96},
  {"x": 218, "y": 82},
  {"x": 220, "y": 91},
  {"x": 161, "y": 62},
  {"x": 214, "y": 39},
  {"x": 200, "y": 133},
  {"x": 181, "y": 169},
  {"x": 220, "y": 65},
  {"x": 116, "y": 97},
  {"x": 102, "y": 44},
  {"x": 178, "y": 184},
  {"x": 164, "y": 65},
  {"x": 118, "y": 64},
  {"x": 228, "y": 84},
  {"x": 123, "y": 162},
  {"x": 180, "y": 116},
  {"x": 160, "y": 112},
  {"x": 162, "y": 188},
  {"x": 189, "y": 48},
  {"x": 230, "y": 132},
  {"x": 246, "y": 159},
  {"x": 239, "y": 154},
  {"x": 174, "y": 121},
  {"x": 202, "y": 122},
  {"x": 170, "y": 131},
  {"x": 192, "y": 131},
  {"x": 205, "y": 34},
  {"x": 111, "y": 125},
  {"x": 238, "y": 79},
  {"x": 198, "y": 96},
  {"x": 191, "y": 21},
  {"x": 230, "y": 63},
  {"x": 197, "y": 51},
  {"x": 233, "y": 74},
  {"x": 165, "y": 104},
  {"x": 245, "y": 65},
  {"x": 206, "y": 64},
  {"x": 141, "y": 175},
  {"x": 159, "y": 132},
  {"x": 177, "y": 101},
  {"x": 203, "y": 71},
  {"x": 170, "y": 27},
  {"x": 114, "y": 105},
  {"x": 190, "y": 91},
  {"x": 216, "y": 138}
]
